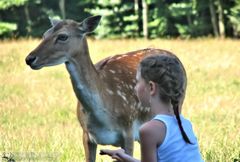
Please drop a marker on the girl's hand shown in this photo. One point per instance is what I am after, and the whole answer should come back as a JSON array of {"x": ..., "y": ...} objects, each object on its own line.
[{"x": 115, "y": 154}]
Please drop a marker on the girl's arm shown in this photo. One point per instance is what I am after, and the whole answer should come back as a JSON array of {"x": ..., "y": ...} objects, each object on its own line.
[
  {"x": 119, "y": 155},
  {"x": 151, "y": 136}
]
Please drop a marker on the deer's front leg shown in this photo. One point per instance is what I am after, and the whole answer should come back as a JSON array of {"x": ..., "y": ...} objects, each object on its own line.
[
  {"x": 89, "y": 148},
  {"x": 128, "y": 141}
]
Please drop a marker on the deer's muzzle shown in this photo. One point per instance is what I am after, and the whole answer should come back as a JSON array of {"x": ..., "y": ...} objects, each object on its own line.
[{"x": 30, "y": 59}]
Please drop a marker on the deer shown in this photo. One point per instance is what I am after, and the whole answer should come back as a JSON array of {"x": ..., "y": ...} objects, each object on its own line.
[{"x": 107, "y": 109}]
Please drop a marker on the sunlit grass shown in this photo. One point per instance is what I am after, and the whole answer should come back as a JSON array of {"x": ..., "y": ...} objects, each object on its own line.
[{"x": 38, "y": 108}]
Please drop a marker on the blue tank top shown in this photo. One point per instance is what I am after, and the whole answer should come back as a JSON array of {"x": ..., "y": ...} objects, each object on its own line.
[{"x": 173, "y": 147}]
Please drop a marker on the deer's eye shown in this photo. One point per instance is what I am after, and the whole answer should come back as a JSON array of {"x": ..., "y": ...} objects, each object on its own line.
[{"x": 62, "y": 37}]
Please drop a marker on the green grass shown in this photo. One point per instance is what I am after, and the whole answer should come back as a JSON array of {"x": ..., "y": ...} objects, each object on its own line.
[{"x": 38, "y": 108}]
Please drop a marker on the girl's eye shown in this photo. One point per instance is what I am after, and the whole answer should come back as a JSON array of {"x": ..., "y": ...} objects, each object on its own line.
[{"x": 62, "y": 37}]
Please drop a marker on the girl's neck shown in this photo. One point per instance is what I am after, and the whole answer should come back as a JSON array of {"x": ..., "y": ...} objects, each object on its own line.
[{"x": 161, "y": 108}]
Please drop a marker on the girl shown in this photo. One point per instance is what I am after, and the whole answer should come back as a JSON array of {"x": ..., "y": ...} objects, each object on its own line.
[{"x": 161, "y": 85}]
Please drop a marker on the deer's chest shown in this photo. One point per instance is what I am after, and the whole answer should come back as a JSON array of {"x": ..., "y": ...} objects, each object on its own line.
[
  {"x": 105, "y": 136},
  {"x": 101, "y": 128}
]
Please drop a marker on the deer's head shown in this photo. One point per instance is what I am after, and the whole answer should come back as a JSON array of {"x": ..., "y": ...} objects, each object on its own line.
[{"x": 64, "y": 39}]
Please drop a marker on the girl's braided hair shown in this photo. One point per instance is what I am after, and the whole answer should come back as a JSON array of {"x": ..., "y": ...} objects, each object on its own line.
[{"x": 168, "y": 72}]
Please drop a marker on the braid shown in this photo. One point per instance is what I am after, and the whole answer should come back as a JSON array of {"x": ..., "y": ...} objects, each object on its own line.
[
  {"x": 168, "y": 72},
  {"x": 176, "y": 112}
]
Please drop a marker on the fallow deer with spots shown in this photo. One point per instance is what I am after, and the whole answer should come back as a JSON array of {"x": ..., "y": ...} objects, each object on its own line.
[{"x": 108, "y": 110}]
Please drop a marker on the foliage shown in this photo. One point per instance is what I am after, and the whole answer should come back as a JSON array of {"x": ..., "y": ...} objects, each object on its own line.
[
  {"x": 7, "y": 28},
  {"x": 118, "y": 18},
  {"x": 235, "y": 18},
  {"x": 5, "y": 4},
  {"x": 183, "y": 12},
  {"x": 124, "y": 18},
  {"x": 159, "y": 19}
]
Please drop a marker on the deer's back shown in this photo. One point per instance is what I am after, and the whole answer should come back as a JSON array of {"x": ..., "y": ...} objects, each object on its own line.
[{"x": 119, "y": 72}]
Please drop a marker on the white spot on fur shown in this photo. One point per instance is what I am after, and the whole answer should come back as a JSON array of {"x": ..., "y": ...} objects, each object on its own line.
[
  {"x": 92, "y": 139},
  {"x": 112, "y": 71},
  {"x": 115, "y": 78},
  {"x": 136, "y": 55},
  {"x": 109, "y": 91},
  {"x": 121, "y": 95},
  {"x": 118, "y": 57},
  {"x": 131, "y": 87}
]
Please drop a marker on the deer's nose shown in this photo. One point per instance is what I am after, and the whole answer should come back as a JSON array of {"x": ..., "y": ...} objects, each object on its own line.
[{"x": 30, "y": 59}]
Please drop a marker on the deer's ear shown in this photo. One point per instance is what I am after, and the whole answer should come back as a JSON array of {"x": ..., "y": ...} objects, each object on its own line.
[
  {"x": 89, "y": 24},
  {"x": 54, "y": 22}
]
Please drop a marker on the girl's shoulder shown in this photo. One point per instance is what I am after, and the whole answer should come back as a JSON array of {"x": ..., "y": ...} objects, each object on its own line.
[{"x": 156, "y": 130}]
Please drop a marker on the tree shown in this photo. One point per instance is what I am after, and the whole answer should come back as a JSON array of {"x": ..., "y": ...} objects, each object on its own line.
[
  {"x": 7, "y": 28},
  {"x": 183, "y": 13},
  {"x": 217, "y": 17},
  {"x": 126, "y": 18},
  {"x": 5, "y": 4},
  {"x": 234, "y": 18},
  {"x": 221, "y": 24},
  {"x": 145, "y": 18},
  {"x": 62, "y": 8},
  {"x": 120, "y": 18},
  {"x": 213, "y": 18}
]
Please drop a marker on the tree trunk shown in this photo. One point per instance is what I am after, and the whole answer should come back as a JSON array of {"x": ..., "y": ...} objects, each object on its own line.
[
  {"x": 62, "y": 8},
  {"x": 136, "y": 7},
  {"x": 220, "y": 19},
  {"x": 189, "y": 19},
  {"x": 140, "y": 22},
  {"x": 28, "y": 19},
  {"x": 213, "y": 18},
  {"x": 145, "y": 18},
  {"x": 136, "y": 10}
]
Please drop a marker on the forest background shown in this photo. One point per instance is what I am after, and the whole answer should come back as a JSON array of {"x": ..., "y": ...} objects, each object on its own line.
[{"x": 126, "y": 18}]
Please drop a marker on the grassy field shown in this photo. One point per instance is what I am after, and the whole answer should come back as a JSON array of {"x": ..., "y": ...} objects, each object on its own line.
[{"x": 38, "y": 108}]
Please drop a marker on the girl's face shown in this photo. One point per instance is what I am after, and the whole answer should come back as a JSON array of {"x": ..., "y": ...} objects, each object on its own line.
[{"x": 142, "y": 89}]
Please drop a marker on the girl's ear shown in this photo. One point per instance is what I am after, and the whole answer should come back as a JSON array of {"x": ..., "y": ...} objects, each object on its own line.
[{"x": 152, "y": 88}]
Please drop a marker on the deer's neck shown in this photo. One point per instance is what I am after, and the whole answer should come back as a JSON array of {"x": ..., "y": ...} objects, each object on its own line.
[{"x": 86, "y": 81}]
